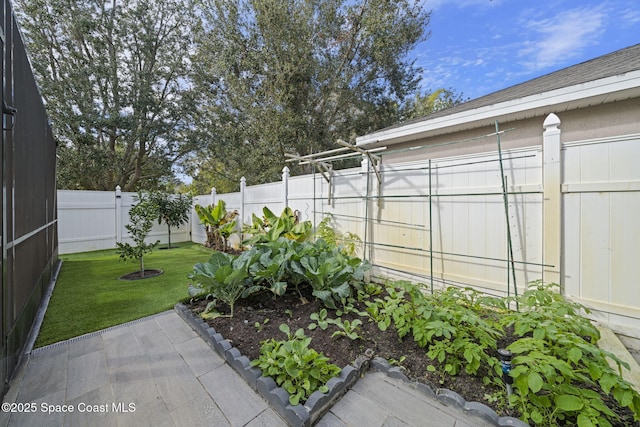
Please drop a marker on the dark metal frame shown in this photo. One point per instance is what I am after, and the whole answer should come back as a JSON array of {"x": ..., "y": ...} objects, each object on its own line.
[{"x": 29, "y": 242}]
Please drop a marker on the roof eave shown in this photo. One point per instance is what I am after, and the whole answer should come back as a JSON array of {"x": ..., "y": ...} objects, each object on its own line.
[{"x": 601, "y": 91}]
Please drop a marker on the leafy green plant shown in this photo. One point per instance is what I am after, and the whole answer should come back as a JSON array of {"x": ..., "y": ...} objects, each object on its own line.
[
  {"x": 559, "y": 374},
  {"x": 558, "y": 366},
  {"x": 218, "y": 224},
  {"x": 394, "y": 307},
  {"x": 260, "y": 326},
  {"x": 331, "y": 273},
  {"x": 322, "y": 320},
  {"x": 222, "y": 277},
  {"x": 271, "y": 266},
  {"x": 397, "y": 362},
  {"x": 294, "y": 366},
  {"x": 446, "y": 324},
  {"x": 283, "y": 264},
  {"x": 272, "y": 227},
  {"x": 347, "y": 329},
  {"x": 372, "y": 289},
  {"x": 141, "y": 215},
  {"x": 172, "y": 210},
  {"x": 466, "y": 339},
  {"x": 498, "y": 399},
  {"x": 347, "y": 242}
]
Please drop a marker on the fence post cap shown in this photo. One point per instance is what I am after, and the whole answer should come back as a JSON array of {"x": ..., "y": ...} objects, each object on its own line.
[{"x": 551, "y": 122}]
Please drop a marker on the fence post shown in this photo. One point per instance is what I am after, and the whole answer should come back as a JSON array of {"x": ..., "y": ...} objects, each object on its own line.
[
  {"x": 552, "y": 201},
  {"x": 243, "y": 187},
  {"x": 366, "y": 224},
  {"x": 118, "y": 213},
  {"x": 285, "y": 186},
  {"x": 213, "y": 196}
]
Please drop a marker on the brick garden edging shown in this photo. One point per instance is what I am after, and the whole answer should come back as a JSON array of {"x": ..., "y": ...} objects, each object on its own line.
[{"x": 319, "y": 403}]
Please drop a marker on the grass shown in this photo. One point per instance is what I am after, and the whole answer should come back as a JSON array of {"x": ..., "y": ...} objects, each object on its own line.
[{"x": 88, "y": 295}]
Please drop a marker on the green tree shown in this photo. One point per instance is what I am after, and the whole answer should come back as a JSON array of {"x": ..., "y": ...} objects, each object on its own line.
[
  {"x": 141, "y": 217},
  {"x": 431, "y": 102},
  {"x": 115, "y": 79},
  {"x": 207, "y": 172},
  {"x": 278, "y": 76},
  {"x": 172, "y": 210}
]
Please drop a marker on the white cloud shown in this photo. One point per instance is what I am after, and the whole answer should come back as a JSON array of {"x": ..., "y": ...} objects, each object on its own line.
[
  {"x": 561, "y": 37},
  {"x": 629, "y": 18}
]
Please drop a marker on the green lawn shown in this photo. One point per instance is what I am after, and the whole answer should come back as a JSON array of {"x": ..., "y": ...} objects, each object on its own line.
[{"x": 88, "y": 295}]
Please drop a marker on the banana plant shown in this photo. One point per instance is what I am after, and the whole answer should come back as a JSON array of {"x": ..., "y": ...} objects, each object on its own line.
[
  {"x": 271, "y": 227},
  {"x": 218, "y": 223}
]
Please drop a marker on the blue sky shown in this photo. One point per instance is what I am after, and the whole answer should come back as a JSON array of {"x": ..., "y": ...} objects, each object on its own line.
[{"x": 480, "y": 46}]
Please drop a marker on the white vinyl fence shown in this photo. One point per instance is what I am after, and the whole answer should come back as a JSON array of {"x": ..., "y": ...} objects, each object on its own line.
[
  {"x": 570, "y": 217},
  {"x": 94, "y": 220}
]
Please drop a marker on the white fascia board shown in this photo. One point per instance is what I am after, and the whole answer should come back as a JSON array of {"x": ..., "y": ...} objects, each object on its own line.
[{"x": 560, "y": 96}]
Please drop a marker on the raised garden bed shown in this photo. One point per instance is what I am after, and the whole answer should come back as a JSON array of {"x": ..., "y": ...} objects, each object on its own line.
[
  {"x": 238, "y": 339},
  {"x": 296, "y": 415},
  {"x": 282, "y": 303}
]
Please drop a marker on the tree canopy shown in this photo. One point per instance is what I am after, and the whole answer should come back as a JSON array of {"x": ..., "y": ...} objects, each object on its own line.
[
  {"x": 278, "y": 76},
  {"x": 219, "y": 89},
  {"x": 114, "y": 78}
]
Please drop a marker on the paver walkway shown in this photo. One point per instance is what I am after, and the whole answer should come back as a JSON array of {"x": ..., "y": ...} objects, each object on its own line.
[{"x": 158, "y": 371}]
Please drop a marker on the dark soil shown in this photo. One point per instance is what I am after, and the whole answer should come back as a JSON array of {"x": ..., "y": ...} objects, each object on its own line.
[
  {"x": 137, "y": 275},
  {"x": 242, "y": 332},
  {"x": 258, "y": 318}
]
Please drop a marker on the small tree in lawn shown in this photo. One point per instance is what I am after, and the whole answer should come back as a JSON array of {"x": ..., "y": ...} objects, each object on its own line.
[
  {"x": 142, "y": 214},
  {"x": 172, "y": 210}
]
